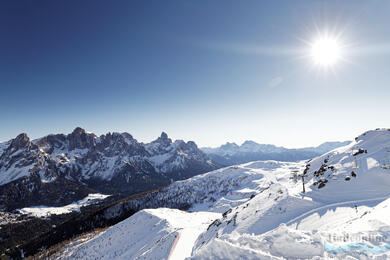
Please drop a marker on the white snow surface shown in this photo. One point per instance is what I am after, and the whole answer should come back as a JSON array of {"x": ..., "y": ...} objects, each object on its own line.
[
  {"x": 46, "y": 211},
  {"x": 265, "y": 213}
]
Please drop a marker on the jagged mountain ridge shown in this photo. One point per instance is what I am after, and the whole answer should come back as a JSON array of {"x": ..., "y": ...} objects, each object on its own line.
[
  {"x": 231, "y": 153},
  {"x": 110, "y": 163}
]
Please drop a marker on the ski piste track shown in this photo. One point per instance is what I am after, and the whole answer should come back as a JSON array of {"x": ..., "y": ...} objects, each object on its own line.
[
  {"x": 355, "y": 202},
  {"x": 174, "y": 245}
]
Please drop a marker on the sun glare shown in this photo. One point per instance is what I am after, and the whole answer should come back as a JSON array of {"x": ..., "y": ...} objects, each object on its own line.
[{"x": 325, "y": 51}]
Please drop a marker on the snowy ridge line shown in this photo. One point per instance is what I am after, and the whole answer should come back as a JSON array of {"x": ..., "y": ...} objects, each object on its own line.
[{"x": 333, "y": 205}]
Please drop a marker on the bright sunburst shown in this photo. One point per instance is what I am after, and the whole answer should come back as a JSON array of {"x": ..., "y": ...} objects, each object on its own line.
[{"x": 326, "y": 51}]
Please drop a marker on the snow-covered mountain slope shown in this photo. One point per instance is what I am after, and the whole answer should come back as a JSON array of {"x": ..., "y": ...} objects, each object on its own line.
[
  {"x": 167, "y": 156},
  {"x": 359, "y": 170},
  {"x": 231, "y": 153},
  {"x": 19, "y": 158},
  {"x": 149, "y": 234},
  {"x": 110, "y": 163},
  {"x": 265, "y": 215},
  {"x": 216, "y": 191},
  {"x": 332, "y": 220}
]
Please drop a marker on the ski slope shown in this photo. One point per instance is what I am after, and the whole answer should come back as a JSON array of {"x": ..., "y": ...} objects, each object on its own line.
[{"x": 149, "y": 234}]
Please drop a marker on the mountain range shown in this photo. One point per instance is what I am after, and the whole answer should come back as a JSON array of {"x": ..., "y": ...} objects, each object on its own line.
[
  {"x": 231, "y": 153},
  {"x": 58, "y": 169}
]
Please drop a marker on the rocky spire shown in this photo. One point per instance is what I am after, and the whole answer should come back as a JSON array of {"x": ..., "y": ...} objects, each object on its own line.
[
  {"x": 20, "y": 141},
  {"x": 78, "y": 131},
  {"x": 80, "y": 139},
  {"x": 164, "y": 135},
  {"x": 164, "y": 139}
]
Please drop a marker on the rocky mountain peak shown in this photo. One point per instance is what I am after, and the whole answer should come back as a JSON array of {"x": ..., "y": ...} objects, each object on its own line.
[
  {"x": 164, "y": 139},
  {"x": 192, "y": 144},
  {"x": 20, "y": 141},
  {"x": 80, "y": 139},
  {"x": 78, "y": 131},
  {"x": 164, "y": 136},
  {"x": 128, "y": 136}
]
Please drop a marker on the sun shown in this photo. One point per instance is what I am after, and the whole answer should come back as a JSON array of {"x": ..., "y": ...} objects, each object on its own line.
[{"x": 326, "y": 51}]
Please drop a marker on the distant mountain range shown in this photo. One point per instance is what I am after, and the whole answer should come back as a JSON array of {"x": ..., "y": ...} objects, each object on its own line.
[
  {"x": 58, "y": 169},
  {"x": 231, "y": 153}
]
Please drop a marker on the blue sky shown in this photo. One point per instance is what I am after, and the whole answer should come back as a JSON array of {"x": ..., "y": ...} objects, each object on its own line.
[{"x": 208, "y": 71}]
